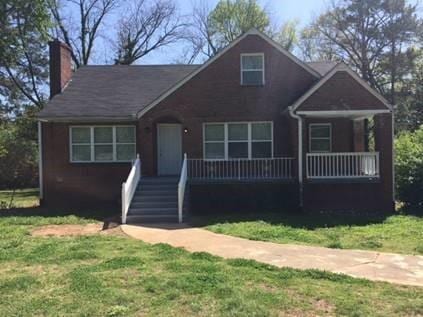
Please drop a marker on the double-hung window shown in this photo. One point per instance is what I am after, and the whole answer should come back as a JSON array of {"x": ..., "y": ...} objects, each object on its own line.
[
  {"x": 214, "y": 141},
  {"x": 102, "y": 143},
  {"x": 320, "y": 137},
  {"x": 238, "y": 140},
  {"x": 252, "y": 69}
]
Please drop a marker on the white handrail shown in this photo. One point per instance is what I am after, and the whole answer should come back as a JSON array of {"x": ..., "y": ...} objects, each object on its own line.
[
  {"x": 343, "y": 165},
  {"x": 129, "y": 187},
  {"x": 181, "y": 188}
]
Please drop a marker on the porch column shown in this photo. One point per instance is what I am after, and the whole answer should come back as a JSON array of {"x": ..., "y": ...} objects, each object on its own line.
[
  {"x": 359, "y": 135},
  {"x": 384, "y": 145}
]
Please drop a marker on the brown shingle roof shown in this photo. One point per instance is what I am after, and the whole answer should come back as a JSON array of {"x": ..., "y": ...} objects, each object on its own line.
[{"x": 113, "y": 91}]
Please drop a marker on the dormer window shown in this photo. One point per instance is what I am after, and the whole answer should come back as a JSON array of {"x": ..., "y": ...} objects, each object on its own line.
[{"x": 252, "y": 69}]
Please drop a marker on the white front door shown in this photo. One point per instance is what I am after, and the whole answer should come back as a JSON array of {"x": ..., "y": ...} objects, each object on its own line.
[{"x": 169, "y": 148}]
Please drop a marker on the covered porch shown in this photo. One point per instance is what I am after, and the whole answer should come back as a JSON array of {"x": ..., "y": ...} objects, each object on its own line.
[{"x": 344, "y": 145}]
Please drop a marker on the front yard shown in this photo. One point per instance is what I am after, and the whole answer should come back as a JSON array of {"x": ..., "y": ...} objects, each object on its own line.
[
  {"x": 112, "y": 275},
  {"x": 396, "y": 233}
]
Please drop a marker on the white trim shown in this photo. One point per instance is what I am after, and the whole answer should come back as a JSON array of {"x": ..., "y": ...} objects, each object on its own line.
[
  {"x": 89, "y": 119},
  {"x": 340, "y": 67},
  {"x": 242, "y": 70},
  {"x": 158, "y": 141},
  {"x": 92, "y": 143},
  {"x": 40, "y": 160},
  {"x": 226, "y": 140},
  {"x": 393, "y": 159},
  {"x": 342, "y": 113},
  {"x": 217, "y": 56},
  {"x": 310, "y": 126}
]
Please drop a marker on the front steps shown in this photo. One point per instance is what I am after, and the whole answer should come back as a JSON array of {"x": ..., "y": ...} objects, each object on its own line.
[{"x": 155, "y": 200}]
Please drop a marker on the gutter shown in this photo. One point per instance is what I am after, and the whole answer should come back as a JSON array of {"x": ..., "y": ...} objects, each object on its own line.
[{"x": 300, "y": 153}]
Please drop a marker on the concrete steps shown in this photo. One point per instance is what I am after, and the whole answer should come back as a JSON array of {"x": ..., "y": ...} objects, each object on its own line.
[{"x": 155, "y": 200}]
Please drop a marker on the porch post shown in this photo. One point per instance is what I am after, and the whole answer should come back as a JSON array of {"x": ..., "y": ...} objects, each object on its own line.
[
  {"x": 358, "y": 135},
  {"x": 384, "y": 145}
]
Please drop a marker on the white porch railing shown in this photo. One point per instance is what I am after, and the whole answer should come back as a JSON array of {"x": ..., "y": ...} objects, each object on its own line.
[
  {"x": 181, "y": 188},
  {"x": 241, "y": 169},
  {"x": 343, "y": 165},
  {"x": 129, "y": 187}
]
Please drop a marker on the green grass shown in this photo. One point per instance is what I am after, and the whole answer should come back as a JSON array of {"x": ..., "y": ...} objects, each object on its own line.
[
  {"x": 103, "y": 275},
  {"x": 23, "y": 197},
  {"x": 394, "y": 233}
]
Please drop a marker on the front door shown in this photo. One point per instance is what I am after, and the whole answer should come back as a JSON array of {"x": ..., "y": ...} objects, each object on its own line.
[{"x": 169, "y": 148}]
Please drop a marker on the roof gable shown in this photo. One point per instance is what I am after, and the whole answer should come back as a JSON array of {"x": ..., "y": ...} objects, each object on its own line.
[
  {"x": 290, "y": 56},
  {"x": 341, "y": 89}
]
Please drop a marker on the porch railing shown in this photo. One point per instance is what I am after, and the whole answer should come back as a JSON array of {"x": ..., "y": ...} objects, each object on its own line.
[
  {"x": 241, "y": 169},
  {"x": 181, "y": 188},
  {"x": 343, "y": 165},
  {"x": 129, "y": 187}
]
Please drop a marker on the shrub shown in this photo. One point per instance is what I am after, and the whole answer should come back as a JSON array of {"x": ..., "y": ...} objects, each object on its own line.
[{"x": 409, "y": 168}]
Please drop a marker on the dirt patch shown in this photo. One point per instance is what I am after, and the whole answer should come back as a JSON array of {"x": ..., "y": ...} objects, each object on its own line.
[
  {"x": 324, "y": 306},
  {"x": 76, "y": 230}
]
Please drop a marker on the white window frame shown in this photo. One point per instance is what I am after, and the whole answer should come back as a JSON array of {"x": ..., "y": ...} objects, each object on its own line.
[
  {"x": 252, "y": 70},
  {"x": 226, "y": 139},
  {"x": 310, "y": 138},
  {"x": 92, "y": 143}
]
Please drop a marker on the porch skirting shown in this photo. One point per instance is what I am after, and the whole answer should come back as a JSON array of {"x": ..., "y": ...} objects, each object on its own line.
[{"x": 212, "y": 198}]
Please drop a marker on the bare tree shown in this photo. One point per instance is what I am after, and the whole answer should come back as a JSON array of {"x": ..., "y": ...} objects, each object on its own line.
[
  {"x": 201, "y": 33},
  {"x": 81, "y": 35},
  {"x": 148, "y": 26}
]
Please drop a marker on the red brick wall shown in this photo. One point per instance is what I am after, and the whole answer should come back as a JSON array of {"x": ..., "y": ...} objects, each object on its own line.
[
  {"x": 77, "y": 184},
  {"x": 342, "y": 92},
  {"x": 215, "y": 95},
  {"x": 60, "y": 66}
]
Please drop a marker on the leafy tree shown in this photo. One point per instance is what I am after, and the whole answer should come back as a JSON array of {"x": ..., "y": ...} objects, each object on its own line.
[
  {"x": 212, "y": 30},
  {"x": 23, "y": 57},
  {"x": 231, "y": 18},
  {"x": 409, "y": 168},
  {"x": 409, "y": 115},
  {"x": 287, "y": 37},
  {"x": 374, "y": 37},
  {"x": 18, "y": 163}
]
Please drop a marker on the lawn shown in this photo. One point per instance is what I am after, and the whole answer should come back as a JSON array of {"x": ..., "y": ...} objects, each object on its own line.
[
  {"x": 22, "y": 197},
  {"x": 107, "y": 275},
  {"x": 394, "y": 233}
]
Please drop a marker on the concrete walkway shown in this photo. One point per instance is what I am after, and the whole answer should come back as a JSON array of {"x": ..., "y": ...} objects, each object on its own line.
[{"x": 377, "y": 266}]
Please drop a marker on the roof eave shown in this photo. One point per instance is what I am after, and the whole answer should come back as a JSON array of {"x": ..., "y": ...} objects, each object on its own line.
[{"x": 131, "y": 118}]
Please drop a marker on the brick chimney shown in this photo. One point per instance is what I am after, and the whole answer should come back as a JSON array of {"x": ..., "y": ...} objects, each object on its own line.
[{"x": 60, "y": 66}]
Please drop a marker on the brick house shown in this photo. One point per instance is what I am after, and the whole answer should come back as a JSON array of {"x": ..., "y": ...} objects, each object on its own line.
[{"x": 252, "y": 128}]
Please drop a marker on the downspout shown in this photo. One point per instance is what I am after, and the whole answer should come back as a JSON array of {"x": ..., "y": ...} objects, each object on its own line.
[
  {"x": 300, "y": 153},
  {"x": 40, "y": 160}
]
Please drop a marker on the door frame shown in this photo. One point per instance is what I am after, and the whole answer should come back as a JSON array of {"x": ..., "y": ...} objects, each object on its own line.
[{"x": 158, "y": 143}]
